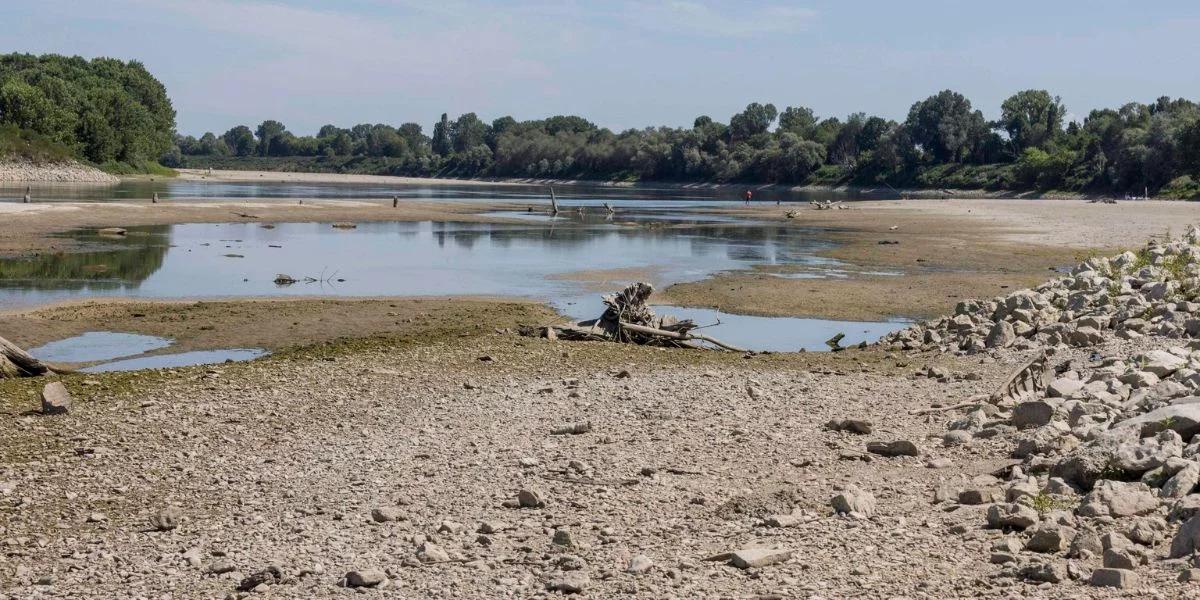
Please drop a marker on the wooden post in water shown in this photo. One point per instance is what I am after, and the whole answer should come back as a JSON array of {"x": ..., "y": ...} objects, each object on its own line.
[
  {"x": 28, "y": 191},
  {"x": 395, "y": 201},
  {"x": 154, "y": 200},
  {"x": 553, "y": 202}
]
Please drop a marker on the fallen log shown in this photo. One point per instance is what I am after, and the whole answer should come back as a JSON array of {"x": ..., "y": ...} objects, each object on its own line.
[
  {"x": 680, "y": 335},
  {"x": 15, "y": 362}
]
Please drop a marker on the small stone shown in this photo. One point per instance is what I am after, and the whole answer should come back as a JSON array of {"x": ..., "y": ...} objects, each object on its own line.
[
  {"x": 166, "y": 519},
  {"x": 749, "y": 558},
  {"x": 266, "y": 577},
  {"x": 782, "y": 520},
  {"x": 1000, "y": 558},
  {"x": 1050, "y": 572},
  {"x": 430, "y": 552},
  {"x": 490, "y": 527},
  {"x": 854, "y": 501},
  {"x": 529, "y": 499},
  {"x": 976, "y": 496},
  {"x": 1118, "y": 578},
  {"x": 96, "y": 518},
  {"x": 1189, "y": 575},
  {"x": 562, "y": 537},
  {"x": 956, "y": 438},
  {"x": 639, "y": 564},
  {"x": 1015, "y": 516},
  {"x": 365, "y": 578},
  {"x": 451, "y": 527},
  {"x": 895, "y": 448},
  {"x": 1050, "y": 539},
  {"x": 858, "y": 426},
  {"x": 387, "y": 514},
  {"x": 56, "y": 400},
  {"x": 1119, "y": 559},
  {"x": 221, "y": 567},
  {"x": 573, "y": 582}
]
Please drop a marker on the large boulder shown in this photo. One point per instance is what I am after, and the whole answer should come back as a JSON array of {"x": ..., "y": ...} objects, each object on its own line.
[
  {"x": 1187, "y": 540},
  {"x": 1148, "y": 453},
  {"x": 1118, "y": 499},
  {"x": 1001, "y": 335},
  {"x": 1161, "y": 362},
  {"x": 1086, "y": 464},
  {"x": 1034, "y": 413},
  {"x": 1182, "y": 417}
]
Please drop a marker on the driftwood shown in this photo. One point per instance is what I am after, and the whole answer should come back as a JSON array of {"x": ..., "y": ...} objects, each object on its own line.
[
  {"x": 1026, "y": 383},
  {"x": 15, "y": 362},
  {"x": 628, "y": 319},
  {"x": 553, "y": 202}
]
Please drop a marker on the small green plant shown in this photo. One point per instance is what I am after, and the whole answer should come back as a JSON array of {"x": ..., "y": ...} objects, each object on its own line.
[
  {"x": 1142, "y": 261},
  {"x": 1111, "y": 471},
  {"x": 1176, "y": 266},
  {"x": 1044, "y": 503},
  {"x": 1167, "y": 423}
]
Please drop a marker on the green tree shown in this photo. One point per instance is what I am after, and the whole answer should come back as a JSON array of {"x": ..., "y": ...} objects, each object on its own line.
[
  {"x": 441, "y": 143},
  {"x": 240, "y": 140},
  {"x": 753, "y": 121},
  {"x": 270, "y": 134},
  {"x": 799, "y": 120},
  {"x": 1032, "y": 119},
  {"x": 467, "y": 132},
  {"x": 945, "y": 127}
]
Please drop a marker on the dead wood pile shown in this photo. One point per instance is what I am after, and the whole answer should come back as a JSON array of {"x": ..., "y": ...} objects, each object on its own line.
[{"x": 628, "y": 319}]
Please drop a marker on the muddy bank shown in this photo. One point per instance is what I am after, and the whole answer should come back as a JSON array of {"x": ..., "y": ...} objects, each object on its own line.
[
  {"x": 271, "y": 324},
  {"x": 946, "y": 250}
]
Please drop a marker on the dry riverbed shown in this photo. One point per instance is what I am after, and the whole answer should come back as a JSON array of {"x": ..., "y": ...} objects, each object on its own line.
[{"x": 397, "y": 452}]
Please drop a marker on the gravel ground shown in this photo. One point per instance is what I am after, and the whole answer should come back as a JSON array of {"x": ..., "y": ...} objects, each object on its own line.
[{"x": 282, "y": 462}]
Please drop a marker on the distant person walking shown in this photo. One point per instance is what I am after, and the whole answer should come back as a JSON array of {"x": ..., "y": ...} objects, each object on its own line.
[{"x": 748, "y": 196}]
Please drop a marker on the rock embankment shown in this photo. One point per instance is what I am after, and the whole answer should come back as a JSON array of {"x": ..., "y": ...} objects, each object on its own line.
[
  {"x": 21, "y": 171},
  {"x": 1108, "y": 446}
]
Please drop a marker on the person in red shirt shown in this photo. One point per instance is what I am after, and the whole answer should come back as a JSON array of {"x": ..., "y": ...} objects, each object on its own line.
[{"x": 748, "y": 196}]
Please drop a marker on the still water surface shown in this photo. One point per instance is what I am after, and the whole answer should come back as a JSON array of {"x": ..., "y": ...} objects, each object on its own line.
[{"x": 664, "y": 237}]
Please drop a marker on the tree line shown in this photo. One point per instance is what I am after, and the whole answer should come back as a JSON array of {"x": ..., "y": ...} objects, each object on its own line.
[
  {"x": 101, "y": 110},
  {"x": 943, "y": 142}
]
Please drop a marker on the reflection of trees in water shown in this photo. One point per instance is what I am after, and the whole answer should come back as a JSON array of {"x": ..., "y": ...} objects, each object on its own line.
[
  {"x": 737, "y": 241},
  {"x": 139, "y": 256}
]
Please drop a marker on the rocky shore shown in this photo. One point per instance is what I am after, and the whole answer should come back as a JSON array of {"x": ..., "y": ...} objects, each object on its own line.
[
  {"x": 1103, "y": 422},
  {"x": 19, "y": 171}
]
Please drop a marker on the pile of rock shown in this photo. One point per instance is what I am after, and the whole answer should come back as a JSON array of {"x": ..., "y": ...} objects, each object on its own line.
[
  {"x": 1110, "y": 471},
  {"x": 20, "y": 170},
  {"x": 1132, "y": 294},
  {"x": 1109, "y": 478}
]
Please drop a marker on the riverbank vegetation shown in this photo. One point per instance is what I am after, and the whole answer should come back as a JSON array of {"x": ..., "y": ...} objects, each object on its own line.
[
  {"x": 944, "y": 142},
  {"x": 105, "y": 112}
]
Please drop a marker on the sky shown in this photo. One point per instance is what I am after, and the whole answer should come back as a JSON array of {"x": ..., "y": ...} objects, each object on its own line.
[{"x": 619, "y": 63}]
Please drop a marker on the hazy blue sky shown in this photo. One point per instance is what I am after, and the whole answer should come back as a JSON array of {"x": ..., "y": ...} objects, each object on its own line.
[{"x": 621, "y": 63}]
